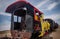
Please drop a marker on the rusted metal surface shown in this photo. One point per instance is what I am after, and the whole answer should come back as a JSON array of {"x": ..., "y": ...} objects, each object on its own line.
[{"x": 21, "y": 34}]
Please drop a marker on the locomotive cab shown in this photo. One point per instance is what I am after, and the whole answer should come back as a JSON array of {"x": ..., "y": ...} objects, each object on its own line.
[
  {"x": 21, "y": 20},
  {"x": 18, "y": 21}
]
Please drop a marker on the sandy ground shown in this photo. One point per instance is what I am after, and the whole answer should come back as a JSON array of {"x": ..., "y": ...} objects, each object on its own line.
[{"x": 56, "y": 34}]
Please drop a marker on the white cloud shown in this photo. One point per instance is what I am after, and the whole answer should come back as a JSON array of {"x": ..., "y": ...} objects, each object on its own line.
[
  {"x": 20, "y": 0},
  {"x": 53, "y": 16},
  {"x": 5, "y": 26},
  {"x": 42, "y": 3},
  {"x": 51, "y": 6},
  {"x": 6, "y": 14}
]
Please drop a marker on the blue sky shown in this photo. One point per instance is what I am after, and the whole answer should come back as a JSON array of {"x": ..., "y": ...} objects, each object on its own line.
[{"x": 50, "y": 8}]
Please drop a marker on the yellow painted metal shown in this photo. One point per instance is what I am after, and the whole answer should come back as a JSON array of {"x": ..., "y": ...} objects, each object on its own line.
[{"x": 45, "y": 26}]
